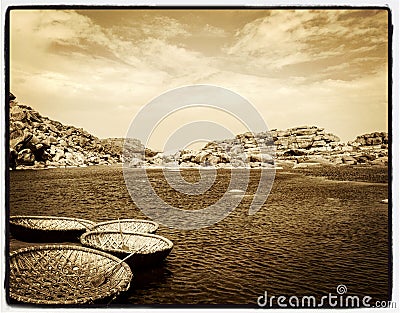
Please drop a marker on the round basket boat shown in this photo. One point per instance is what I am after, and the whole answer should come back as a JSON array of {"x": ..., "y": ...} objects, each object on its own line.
[
  {"x": 65, "y": 275},
  {"x": 147, "y": 249},
  {"x": 128, "y": 225},
  {"x": 48, "y": 228}
]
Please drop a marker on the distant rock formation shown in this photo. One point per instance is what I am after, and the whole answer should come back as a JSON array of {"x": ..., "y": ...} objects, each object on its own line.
[
  {"x": 38, "y": 142},
  {"x": 311, "y": 146},
  {"x": 298, "y": 147},
  {"x": 310, "y": 138},
  {"x": 373, "y": 139}
]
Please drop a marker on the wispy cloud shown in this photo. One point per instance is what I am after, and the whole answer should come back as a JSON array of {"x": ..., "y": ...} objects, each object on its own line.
[
  {"x": 286, "y": 39},
  {"x": 295, "y": 66}
]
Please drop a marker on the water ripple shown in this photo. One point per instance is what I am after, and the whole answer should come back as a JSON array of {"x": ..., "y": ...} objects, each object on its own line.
[{"x": 310, "y": 235}]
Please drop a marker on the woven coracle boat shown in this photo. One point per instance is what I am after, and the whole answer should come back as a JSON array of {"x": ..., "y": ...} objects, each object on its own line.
[
  {"x": 147, "y": 249},
  {"x": 128, "y": 225},
  {"x": 65, "y": 275},
  {"x": 48, "y": 228}
]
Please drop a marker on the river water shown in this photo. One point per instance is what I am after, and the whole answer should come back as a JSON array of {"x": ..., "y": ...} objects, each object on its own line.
[{"x": 311, "y": 235}]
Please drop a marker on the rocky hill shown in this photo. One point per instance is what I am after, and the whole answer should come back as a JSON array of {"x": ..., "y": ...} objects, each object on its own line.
[
  {"x": 303, "y": 146},
  {"x": 310, "y": 146},
  {"x": 38, "y": 142}
]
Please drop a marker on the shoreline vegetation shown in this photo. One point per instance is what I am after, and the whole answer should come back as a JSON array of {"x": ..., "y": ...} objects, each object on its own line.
[{"x": 37, "y": 142}]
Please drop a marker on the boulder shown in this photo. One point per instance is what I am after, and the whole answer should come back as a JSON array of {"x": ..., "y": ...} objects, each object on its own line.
[
  {"x": 330, "y": 138},
  {"x": 349, "y": 160},
  {"x": 25, "y": 157},
  {"x": 212, "y": 160},
  {"x": 212, "y": 146},
  {"x": 283, "y": 133},
  {"x": 385, "y": 138},
  {"x": 33, "y": 117},
  {"x": 69, "y": 132},
  {"x": 53, "y": 128},
  {"x": 294, "y": 152},
  {"x": 305, "y": 131},
  {"x": 284, "y": 142},
  {"x": 201, "y": 157},
  {"x": 361, "y": 140},
  {"x": 13, "y": 157},
  {"x": 301, "y": 144},
  {"x": 136, "y": 163},
  {"x": 20, "y": 140},
  {"x": 156, "y": 161},
  {"x": 187, "y": 157},
  {"x": 62, "y": 143},
  {"x": 224, "y": 158},
  {"x": 39, "y": 165},
  {"x": 319, "y": 143},
  {"x": 250, "y": 145},
  {"x": 365, "y": 158},
  {"x": 52, "y": 140},
  {"x": 237, "y": 163},
  {"x": 59, "y": 155},
  {"x": 381, "y": 161},
  {"x": 235, "y": 150},
  {"x": 53, "y": 150},
  {"x": 33, "y": 142},
  {"x": 373, "y": 141},
  {"x": 261, "y": 158},
  {"x": 16, "y": 125},
  {"x": 17, "y": 113},
  {"x": 16, "y": 136}
]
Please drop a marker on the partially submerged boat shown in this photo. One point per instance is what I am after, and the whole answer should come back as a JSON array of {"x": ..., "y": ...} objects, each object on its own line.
[
  {"x": 66, "y": 275},
  {"x": 48, "y": 228},
  {"x": 147, "y": 249},
  {"x": 127, "y": 225}
]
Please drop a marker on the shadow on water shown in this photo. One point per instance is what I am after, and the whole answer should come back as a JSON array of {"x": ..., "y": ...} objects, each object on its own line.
[{"x": 146, "y": 279}]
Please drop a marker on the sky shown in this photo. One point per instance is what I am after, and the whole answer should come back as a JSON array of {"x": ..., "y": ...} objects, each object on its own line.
[{"x": 96, "y": 69}]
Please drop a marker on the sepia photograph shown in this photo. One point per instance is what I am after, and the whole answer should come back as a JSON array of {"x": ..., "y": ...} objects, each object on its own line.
[{"x": 198, "y": 157}]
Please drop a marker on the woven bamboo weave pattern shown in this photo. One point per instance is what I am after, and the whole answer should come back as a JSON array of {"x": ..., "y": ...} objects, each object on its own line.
[
  {"x": 51, "y": 222},
  {"x": 61, "y": 274},
  {"x": 128, "y": 225},
  {"x": 136, "y": 242}
]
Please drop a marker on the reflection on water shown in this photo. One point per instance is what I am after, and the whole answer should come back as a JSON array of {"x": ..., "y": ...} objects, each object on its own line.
[{"x": 310, "y": 236}]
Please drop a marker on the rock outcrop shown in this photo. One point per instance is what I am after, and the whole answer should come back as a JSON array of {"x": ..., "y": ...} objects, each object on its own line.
[
  {"x": 310, "y": 146},
  {"x": 39, "y": 142},
  {"x": 373, "y": 139},
  {"x": 297, "y": 147}
]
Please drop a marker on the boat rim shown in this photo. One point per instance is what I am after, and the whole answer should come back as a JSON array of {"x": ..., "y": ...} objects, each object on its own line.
[{"x": 85, "y": 242}]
